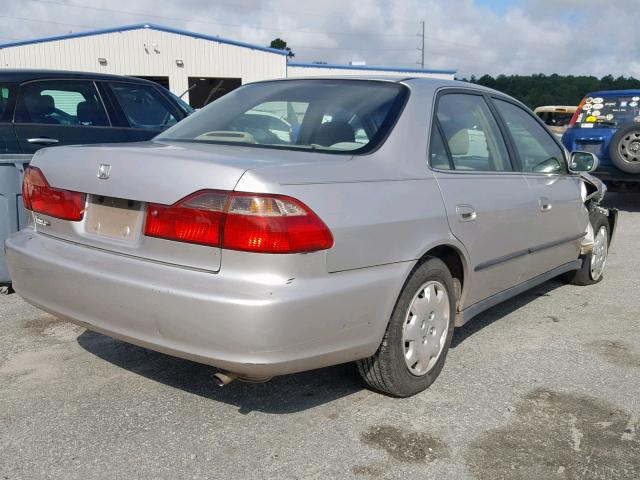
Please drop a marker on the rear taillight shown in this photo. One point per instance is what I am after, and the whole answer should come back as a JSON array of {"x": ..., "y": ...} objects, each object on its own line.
[
  {"x": 578, "y": 111},
  {"x": 40, "y": 197},
  {"x": 240, "y": 221}
]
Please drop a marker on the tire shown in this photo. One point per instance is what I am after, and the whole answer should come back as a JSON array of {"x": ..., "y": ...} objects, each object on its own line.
[
  {"x": 587, "y": 275},
  {"x": 6, "y": 290},
  {"x": 389, "y": 370},
  {"x": 624, "y": 148}
]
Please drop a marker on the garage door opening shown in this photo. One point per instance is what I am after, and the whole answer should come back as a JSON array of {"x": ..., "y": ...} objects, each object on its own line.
[
  {"x": 164, "y": 81},
  {"x": 204, "y": 90}
]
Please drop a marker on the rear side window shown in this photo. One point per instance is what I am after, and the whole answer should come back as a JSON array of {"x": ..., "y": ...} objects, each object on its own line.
[
  {"x": 536, "y": 149},
  {"x": 7, "y": 94},
  {"x": 472, "y": 134},
  {"x": 143, "y": 106},
  {"x": 438, "y": 156},
  {"x": 61, "y": 102}
]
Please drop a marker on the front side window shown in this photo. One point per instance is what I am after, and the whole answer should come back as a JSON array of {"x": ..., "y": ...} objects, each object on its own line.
[
  {"x": 537, "y": 151},
  {"x": 143, "y": 106},
  {"x": 316, "y": 115},
  {"x": 472, "y": 134},
  {"x": 61, "y": 102}
]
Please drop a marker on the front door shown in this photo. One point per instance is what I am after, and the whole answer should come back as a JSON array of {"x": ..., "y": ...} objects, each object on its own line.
[
  {"x": 561, "y": 217},
  {"x": 62, "y": 112},
  {"x": 489, "y": 206}
]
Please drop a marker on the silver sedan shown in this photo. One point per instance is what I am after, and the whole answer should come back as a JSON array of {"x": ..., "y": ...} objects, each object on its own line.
[{"x": 391, "y": 211}]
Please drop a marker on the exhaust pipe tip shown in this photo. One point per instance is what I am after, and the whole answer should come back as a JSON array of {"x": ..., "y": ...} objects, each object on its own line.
[{"x": 224, "y": 378}]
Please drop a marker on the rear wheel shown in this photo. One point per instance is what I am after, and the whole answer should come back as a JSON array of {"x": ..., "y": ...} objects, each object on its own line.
[
  {"x": 593, "y": 264},
  {"x": 415, "y": 345}
]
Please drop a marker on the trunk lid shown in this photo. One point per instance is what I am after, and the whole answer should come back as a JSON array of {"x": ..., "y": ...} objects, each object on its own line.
[{"x": 138, "y": 174}]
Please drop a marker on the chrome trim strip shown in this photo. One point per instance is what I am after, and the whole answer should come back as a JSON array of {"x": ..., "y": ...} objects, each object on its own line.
[{"x": 528, "y": 251}]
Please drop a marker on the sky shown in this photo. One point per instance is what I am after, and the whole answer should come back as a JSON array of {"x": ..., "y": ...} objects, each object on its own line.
[{"x": 594, "y": 37}]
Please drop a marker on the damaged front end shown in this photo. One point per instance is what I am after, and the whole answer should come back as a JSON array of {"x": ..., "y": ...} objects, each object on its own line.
[{"x": 593, "y": 192}]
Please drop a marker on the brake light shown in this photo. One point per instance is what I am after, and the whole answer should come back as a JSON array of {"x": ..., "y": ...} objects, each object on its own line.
[
  {"x": 38, "y": 196},
  {"x": 578, "y": 111},
  {"x": 240, "y": 221}
]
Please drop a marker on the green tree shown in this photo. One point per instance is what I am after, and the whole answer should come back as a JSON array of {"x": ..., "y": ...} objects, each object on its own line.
[
  {"x": 540, "y": 89},
  {"x": 280, "y": 44}
]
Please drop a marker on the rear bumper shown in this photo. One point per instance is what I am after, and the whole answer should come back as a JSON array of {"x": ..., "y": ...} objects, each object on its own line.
[{"x": 238, "y": 323}]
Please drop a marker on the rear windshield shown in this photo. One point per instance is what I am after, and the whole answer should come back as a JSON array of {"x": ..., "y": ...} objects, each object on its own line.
[
  {"x": 610, "y": 111},
  {"x": 339, "y": 116},
  {"x": 555, "y": 119}
]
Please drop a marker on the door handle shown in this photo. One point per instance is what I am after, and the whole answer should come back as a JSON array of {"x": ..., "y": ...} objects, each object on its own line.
[
  {"x": 43, "y": 140},
  {"x": 466, "y": 213},
  {"x": 545, "y": 204}
]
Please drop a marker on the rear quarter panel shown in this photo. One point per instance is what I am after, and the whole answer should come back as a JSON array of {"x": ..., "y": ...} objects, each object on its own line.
[{"x": 384, "y": 207}]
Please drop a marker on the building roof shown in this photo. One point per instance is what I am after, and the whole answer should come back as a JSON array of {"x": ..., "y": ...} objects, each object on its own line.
[
  {"x": 140, "y": 26},
  {"x": 368, "y": 68}
]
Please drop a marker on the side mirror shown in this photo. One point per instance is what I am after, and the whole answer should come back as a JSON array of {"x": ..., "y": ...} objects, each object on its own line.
[
  {"x": 550, "y": 165},
  {"x": 583, "y": 162}
]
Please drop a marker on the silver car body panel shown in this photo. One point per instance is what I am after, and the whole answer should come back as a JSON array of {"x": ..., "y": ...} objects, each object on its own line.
[{"x": 262, "y": 314}]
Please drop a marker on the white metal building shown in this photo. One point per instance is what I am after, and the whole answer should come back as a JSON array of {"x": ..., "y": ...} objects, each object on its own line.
[{"x": 204, "y": 66}]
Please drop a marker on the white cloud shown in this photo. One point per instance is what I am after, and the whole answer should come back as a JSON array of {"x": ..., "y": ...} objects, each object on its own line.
[{"x": 531, "y": 36}]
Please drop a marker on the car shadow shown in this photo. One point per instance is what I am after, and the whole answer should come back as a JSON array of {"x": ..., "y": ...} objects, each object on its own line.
[
  {"x": 281, "y": 395},
  {"x": 501, "y": 310},
  {"x": 626, "y": 202}
]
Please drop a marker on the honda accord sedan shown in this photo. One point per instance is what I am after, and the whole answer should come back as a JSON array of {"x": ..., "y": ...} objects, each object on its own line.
[{"x": 393, "y": 211}]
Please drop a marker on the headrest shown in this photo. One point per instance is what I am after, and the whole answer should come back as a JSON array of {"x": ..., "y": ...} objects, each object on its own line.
[
  {"x": 331, "y": 133},
  {"x": 40, "y": 104},
  {"x": 88, "y": 113},
  {"x": 459, "y": 143}
]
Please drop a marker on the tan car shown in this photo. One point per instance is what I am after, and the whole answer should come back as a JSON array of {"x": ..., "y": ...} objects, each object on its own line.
[{"x": 556, "y": 118}]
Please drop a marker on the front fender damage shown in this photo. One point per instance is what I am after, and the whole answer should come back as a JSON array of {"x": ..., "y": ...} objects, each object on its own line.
[{"x": 593, "y": 193}]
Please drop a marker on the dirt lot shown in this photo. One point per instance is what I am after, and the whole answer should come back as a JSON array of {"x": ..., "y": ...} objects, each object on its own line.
[{"x": 544, "y": 386}]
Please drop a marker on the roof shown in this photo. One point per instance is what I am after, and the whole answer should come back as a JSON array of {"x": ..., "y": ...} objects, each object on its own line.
[
  {"x": 368, "y": 68},
  {"x": 556, "y": 108},
  {"x": 26, "y": 74},
  {"x": 140, "y": 26}
]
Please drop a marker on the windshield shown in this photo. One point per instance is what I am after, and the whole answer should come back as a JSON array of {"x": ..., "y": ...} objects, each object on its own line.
[
  {"x": 324, "y": 115},
  {"x": 609, "y": 111}
]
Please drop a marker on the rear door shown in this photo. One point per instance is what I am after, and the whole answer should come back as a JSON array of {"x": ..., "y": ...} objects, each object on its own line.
[
  {"x": 142, "y": 109},
  {"x": 561, "y": 218},
  {"x": 62, "y": 112},
  {"x": 489, "y": 205}
]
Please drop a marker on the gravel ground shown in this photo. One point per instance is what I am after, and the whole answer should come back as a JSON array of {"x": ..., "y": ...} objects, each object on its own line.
[{"x": 543, "y": 386}]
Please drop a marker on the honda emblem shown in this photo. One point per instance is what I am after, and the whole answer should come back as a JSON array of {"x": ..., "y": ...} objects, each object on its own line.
[{"x": 103, "y": 171}]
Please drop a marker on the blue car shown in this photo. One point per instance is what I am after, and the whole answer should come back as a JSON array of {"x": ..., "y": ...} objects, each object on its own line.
[{"x": 607, "y": 123}]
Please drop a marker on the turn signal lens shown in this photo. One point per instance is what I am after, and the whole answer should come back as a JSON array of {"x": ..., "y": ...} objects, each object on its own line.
[
  {"x": 273, "y": 224},
  {"x": 38, "y": 196},
  {"x": 240, "y": 221}
]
